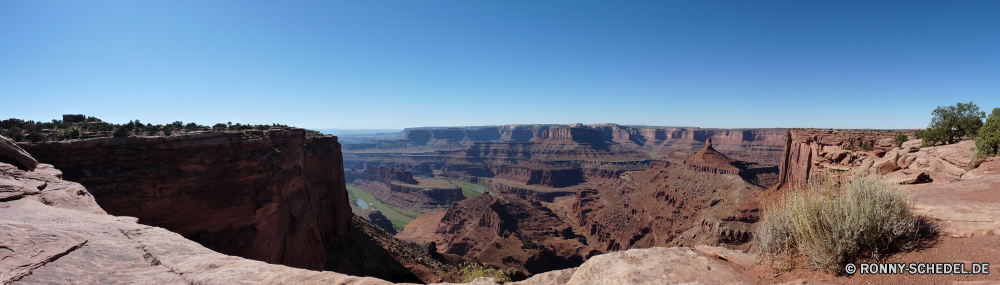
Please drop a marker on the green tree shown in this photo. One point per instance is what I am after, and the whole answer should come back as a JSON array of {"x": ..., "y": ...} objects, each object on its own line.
[
  {"x": 988, "y": 141},
  {"x": 75, "y": 133},
  {"x": 952, "y": 123},
  {"x": 168, "y": 130},
  {"x": 219, "y": 127},
  {"x": 120, "y": 132},
  {"x": 900, "y": 139},
  {"x": 36, "y": 136},
  {"x": 191, "y": 127}
]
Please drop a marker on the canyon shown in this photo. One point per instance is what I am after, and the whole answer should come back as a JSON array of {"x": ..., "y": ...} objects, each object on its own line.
[{"x": 276, "y": 196}]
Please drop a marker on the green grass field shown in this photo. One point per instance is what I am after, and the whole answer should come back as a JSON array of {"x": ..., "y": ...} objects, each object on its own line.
[
  {"x": 471, "y": 189},
  {"x": 398, "y": 218}
]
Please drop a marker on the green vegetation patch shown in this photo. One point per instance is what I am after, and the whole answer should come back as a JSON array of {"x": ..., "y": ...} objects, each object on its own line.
[
  {"x": 397, "y": 217},
  {"x": 471, "y": 189}
]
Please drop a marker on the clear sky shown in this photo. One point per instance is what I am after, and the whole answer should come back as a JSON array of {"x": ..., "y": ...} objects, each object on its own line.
[{"x": 396, "y": 64}]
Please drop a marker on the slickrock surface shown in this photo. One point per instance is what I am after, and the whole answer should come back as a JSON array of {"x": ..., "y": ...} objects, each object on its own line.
[
  {"x": 509, "y": 232},
  {"x": 659, "y": 265},
  {"x": 966, "y": 208},
  {"x": 272, "y": 197}
]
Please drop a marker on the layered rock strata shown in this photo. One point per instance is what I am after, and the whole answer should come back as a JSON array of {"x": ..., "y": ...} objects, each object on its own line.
[
  {"x": 669, "y": 204},
  {"x": 273, "y": 197},
  {"x": 509, "y": 232}
]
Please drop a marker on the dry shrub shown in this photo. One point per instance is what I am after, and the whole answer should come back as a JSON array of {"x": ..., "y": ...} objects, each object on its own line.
[
  {"x": 863, "y": 217},
  {"x": 471, "y": 271}
]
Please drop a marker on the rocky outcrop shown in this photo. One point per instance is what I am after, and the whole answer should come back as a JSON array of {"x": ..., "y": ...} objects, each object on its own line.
[
  {"x": 811, "y": 151},
  {"x": 710, "y": 160},
  {"x": 272, "y": 197},
  {"x": 376, "y": 218},
  {"x": 509, "y": 232},
  {"x": 532, "y": 193},
  {"x": 540, "y": 174},
  {"x": 669, "y": 204},
  {"x": 12, "y": 154}
]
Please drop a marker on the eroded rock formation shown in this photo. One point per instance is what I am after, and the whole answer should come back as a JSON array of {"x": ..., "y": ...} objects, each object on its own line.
[
  {"x": 509, "y": 232},
  {"x": 273, "y": 197}
]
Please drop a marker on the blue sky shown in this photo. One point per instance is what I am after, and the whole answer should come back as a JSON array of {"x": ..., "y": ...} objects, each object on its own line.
[{"x": 396, "y": 64}]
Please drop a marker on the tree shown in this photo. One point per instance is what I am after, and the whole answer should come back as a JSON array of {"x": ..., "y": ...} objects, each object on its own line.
[
  {"x": 952, "y": 123},
  {"x": 120, "y": 132},
  {"x": 988, "y": 141},
  {"x": 168, "y": 130},
  {"x": 75, "y": 133},
  {"x": 900, "y": 139},
  {"x": 219, "y": 127},
  {"x": 191, "y": 127},
  {"x": 36, "y": 136}
]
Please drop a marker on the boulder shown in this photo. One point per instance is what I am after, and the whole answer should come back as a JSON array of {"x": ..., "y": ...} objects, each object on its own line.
[
  {"x": 901, "y": 177},
  {"x": 13, "y": 154},
  {"x": 912, "y": 146},
  {"x": 887, "y": 163},
  {"x": 866, "y": 164},
  {"x": 658, "y": 265}
]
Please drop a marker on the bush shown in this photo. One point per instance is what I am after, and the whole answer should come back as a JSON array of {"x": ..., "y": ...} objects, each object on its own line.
[
  {"x": 120, "y": 132},
  {"x": 219, "y": 127},
  {"x": 900, "y": 139},
  {"x": 471, "y": 271},
  {"x": 988, "y": 141},
  {"x": 866, "y": 147},
  {"x": 953, "y": 122},
  {"x": 168, "y": 130},
  {"x": 35, "y": 136},
  {"x": 834, "y": 224},
  {"x": 75, "y": 133},
  {"x": 191, "y": 127}
]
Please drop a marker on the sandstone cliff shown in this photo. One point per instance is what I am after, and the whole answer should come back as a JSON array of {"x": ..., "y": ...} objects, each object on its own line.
[{"x": 272, "y": 197}]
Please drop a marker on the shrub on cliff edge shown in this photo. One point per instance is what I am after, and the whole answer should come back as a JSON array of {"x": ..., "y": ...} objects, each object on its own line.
[
  {"x": 833, "y": 226},
  {"x": 989, "y": 135},
  {"x": 471, "y": 271},
  {"x": 120, "y": 132}
]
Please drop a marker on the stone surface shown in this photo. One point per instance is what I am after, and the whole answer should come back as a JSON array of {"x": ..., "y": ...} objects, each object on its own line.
[
  {"x": 970, "y": 207},
  {"x": 12, "y": 154},
  {"x": 655, "y": 266}
]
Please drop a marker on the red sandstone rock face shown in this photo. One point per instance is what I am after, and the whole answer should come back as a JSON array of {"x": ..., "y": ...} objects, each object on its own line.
[
  {"x": 810, "y": 151},
  {"x": 14, "y": 155},
  {"x": 509, "y": 232},
  {"x": 540, "y": 174},
  {"x": 666, "y": 205},
  {"x": 274, "y": 197}
]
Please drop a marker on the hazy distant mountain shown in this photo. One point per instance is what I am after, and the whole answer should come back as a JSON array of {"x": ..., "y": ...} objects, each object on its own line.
[{"x": 354, "y": 132}]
